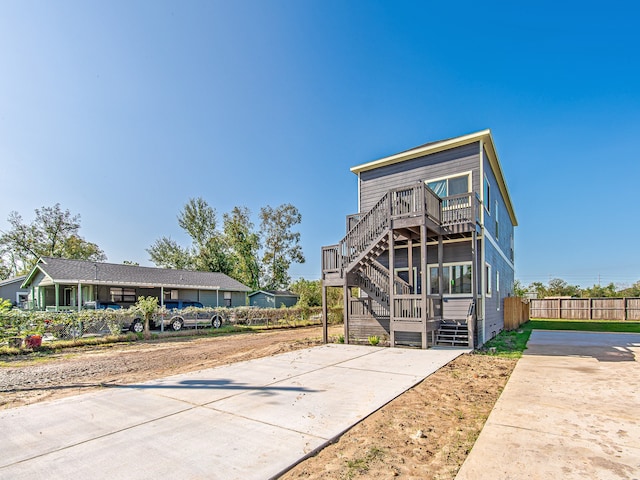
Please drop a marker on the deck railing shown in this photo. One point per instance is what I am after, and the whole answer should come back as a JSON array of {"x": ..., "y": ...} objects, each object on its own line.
[
  {"x": 362, "y": 307},
  {"x": 407, "y": 307},
  {"x": 374, "y": 279},
  {"x": 457, "y": 209},
  {"x": 331, "y": 259},
  {"x": 410, "y": 201},
  {"x": 371, "y": 225}
]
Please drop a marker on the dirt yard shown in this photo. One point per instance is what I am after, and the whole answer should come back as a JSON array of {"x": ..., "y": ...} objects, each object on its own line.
[{"x": 426, "y": 433}]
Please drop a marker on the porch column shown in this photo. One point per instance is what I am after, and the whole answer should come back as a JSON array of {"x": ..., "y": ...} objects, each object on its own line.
[
  {"x": 325, "y": 315},
  {"x": 410, "y": 265},
  {"x": 441, "y": 273},
  {"x": 346, "y": 300},
  {"x": 79, "y": 296},
  {"x": 392, "y": 292},
  {"x": 162, "y": 305},
  {"x": 423, "y": 280},
  {"x": 57, "y": 289}
]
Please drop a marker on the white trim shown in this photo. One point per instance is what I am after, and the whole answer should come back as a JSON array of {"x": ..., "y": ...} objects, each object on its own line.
[
  {"x": 468, "y": 173},
  {"x": 497, "y": 219},
  {"x": 498, "y": 288},
  {"x": 482, "y": 175},
  {"x": 485, "y": 202},
  {"x": 359, "y": 192},
  {"x": 498, "y": 249},
  {"x": 488, "y": 287}
]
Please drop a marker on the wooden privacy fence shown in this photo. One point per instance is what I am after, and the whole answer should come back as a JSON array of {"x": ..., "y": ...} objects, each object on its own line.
[
  {"x": 516, "y": 312},
  {"x": 584, "y": 308}
]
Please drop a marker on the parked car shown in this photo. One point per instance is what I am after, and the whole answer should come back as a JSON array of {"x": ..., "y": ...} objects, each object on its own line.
[
  {"x": 102, "y": 306},
  {"x": 179, "y": 315}
]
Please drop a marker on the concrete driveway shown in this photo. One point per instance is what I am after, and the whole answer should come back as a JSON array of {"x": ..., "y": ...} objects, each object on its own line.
[
  {"x": 571, "y": 410},
  {"x": 248, "y": 420}
]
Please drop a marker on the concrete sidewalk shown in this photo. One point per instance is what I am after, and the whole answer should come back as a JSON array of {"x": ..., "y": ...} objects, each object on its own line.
[
  {"x": 248, "y": 420},
  {"x": 570, "y": 410}
]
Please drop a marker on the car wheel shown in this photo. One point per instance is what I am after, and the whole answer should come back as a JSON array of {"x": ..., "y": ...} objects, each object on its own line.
[
  {"x": 216, "y": 321},
  {"x": 137, "y": 326},
  {"x": 176, "y": 324}
]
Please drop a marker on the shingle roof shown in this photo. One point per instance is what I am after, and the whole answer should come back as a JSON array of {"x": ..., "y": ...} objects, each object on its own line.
[
  {"x": 62, "y": 270},
  {"x": 276, "y": 293},
  {"x": 9, "y": 281}
]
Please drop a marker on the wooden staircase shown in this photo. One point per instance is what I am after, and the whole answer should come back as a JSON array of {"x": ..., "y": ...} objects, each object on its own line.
[
  {"x": 453, "y": 333},
  {"x": 402, "y": 214}
]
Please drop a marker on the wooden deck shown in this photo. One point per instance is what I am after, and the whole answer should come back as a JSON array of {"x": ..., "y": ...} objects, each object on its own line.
[{"x": 409, "y": 215}]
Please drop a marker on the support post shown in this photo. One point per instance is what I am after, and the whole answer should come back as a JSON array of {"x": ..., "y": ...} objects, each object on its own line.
[
  {"x": 325, "y": 315},
  {"x": 346, "y": 296},
  {"x": 441, "y": 273},
  {"x": 57, "y": 289},
  {"x": 79, "y": 296},
  {"x": 392, "y": 293},
  {"x": 424, "y": 315},
  {"x": 410, "y": 265}
]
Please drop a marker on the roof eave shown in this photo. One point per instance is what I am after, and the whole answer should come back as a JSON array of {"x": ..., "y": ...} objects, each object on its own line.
[{"x": 421, "y": 151}]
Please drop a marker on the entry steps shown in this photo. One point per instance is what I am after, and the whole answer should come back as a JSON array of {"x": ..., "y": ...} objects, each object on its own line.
[{"x": 453, "y": 334}]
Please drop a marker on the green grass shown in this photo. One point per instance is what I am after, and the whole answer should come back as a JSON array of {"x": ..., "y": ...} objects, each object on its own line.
[
  {"x": 585, "y": 325},
  {"x": 511, "y": 344}
]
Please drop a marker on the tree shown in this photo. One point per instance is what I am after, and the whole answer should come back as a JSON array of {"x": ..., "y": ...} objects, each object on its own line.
[
  {"x": 281, "y": 244},
  {"x": 146, "y": 306},
  {"x": 560, "y": 288},
  {"x": 598, "y": 291},
  {"x": 309, "y": 291},
  {"x": 53, "y": 233},
  {"x": 244, "y": 245},
  {"x": 632, "y": 291},
  {"x": 166, "y": 253},
  {"x": 519, "y": 290}
]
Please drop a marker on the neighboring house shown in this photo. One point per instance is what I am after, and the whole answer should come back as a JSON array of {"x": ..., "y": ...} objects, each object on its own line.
[
  {"x": 62, "y": 284},
  {"x": 12, "y": 290},
  {"x": 429, "y": 258},
  {"x": 272, "y": 298}
]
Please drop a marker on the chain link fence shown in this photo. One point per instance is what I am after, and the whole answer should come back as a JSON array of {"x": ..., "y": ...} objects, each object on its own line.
[{"x": 50, "y": 326}]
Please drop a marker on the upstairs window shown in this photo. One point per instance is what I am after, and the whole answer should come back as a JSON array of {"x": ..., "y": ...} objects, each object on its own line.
[
  {"x": 446, "y": 187},
  {"x": 486, "y": 198}
]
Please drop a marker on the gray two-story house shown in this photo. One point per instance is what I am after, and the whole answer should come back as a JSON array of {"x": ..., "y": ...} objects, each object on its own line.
[{"x": 429, "y": 258}]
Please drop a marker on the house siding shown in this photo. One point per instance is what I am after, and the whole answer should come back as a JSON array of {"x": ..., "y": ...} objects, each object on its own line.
[
  {"x": 505, "y": 230},
  {"x": 11, "y": 290},
  {"x": 498, "y": 254},
  {"x": 375, "y": 183}
]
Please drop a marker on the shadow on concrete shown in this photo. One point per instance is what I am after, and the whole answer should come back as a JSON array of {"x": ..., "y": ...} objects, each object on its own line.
[{"x": 222, "y": 384}]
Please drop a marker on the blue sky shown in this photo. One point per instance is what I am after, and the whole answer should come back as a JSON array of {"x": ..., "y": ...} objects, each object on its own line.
[{"x": 122, "y": 111}]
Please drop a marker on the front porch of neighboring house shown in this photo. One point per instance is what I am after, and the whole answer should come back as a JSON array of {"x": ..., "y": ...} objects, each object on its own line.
[
  {"x": 60, "y": 297},
  {"x": 390, "y": 252}
]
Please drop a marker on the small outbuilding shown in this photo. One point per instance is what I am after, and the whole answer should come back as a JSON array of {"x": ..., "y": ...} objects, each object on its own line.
[
  {"x": 273, "y": 298},
  {"x": 12, "y": 290}
]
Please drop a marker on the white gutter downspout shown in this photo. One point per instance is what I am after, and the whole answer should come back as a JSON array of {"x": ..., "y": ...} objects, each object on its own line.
[{"x": 483, "y": 289}]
